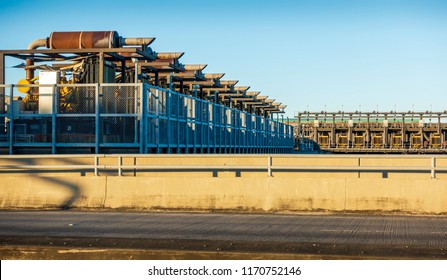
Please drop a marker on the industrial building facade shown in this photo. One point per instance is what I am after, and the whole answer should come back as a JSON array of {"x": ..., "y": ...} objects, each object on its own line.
[
  {"x": 372, "y": 132},
  {"x": 95, "y": 93}
]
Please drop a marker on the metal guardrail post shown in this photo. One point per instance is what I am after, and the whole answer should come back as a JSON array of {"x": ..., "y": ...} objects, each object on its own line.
[
  {"x": 96, "y": 164},
  {"x": 358, "y": 165},
  {"x": 120, "y": 163},
  {"x": 433, "y": 166},
  {"x": 269, "y": 166}
]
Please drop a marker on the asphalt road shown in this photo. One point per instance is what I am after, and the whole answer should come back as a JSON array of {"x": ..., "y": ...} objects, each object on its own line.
[{"x": 324, "y": 235}]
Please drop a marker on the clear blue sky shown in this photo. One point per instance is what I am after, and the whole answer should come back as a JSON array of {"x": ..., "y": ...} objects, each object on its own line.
[{"x": 314, "y": 54}]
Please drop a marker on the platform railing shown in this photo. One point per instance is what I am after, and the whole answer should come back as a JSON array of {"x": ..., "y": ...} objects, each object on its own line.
[
  {"x": 23, "y": 164},
  {"x": 98, "y": 118}
]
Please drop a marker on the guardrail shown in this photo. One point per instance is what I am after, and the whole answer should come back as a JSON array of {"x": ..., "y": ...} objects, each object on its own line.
[{"x": 268, "y": 164}]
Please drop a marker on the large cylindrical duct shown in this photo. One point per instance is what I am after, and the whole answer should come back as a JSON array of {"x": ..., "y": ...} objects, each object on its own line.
[{"x": 84, "y": 40}]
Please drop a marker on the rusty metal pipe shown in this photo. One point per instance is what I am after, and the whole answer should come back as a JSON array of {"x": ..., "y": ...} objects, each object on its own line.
[
  {"x": 93, "y": 39},
  {"x": 38, "y": 43},
  {"x": 84, "y": 40},
  {"x": 135, "y": 41},
  {"x": 30, "y": 62}
]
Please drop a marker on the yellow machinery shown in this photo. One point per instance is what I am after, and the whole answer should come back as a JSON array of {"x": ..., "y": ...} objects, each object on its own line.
[
  {"x": 67, "y": 97},
  {"x": 377, "y": 141},
  {"x": 416, "y": 141},
  {"x": 435, "y": 141},
  {"x": 31, "y": 100},
  {"x": 396, "y": 141},
  {"x": 379, "y": 132},
  {"x": 342, "y": 141},
  {"x": 323, "y": 141},
  {"x": 359, "y": 141}
]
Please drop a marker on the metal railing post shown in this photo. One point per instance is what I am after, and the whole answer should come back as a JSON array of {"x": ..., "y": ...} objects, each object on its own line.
[
  {"x": 97, "y": 117},
  {"x": 11, "y": 120},
  {"x": 158, "y": 120},
  {"x": 54, "y": 119},
  {"x": 143, "y": 106},
  {"x": 168, "y": 121}
]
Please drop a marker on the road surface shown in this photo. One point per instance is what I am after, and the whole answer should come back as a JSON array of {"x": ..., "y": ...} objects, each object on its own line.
[{"x": 308, "y": 236}]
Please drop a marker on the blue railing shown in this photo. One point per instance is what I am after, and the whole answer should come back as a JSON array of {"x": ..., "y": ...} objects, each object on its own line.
[{"x": 132, "y": 117}]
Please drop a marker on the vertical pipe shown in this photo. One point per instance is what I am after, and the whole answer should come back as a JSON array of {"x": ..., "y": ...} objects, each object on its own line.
[
  {"x": 157, "y": 79},
  {"x": 136, "y": 71},
  {"x": 101, "y": 68},
  {"x": 170, "y": 81},
  {"x": 181, "y": 86},
  {"x": 123, "y": 71},
  {"x": 29, "y": 63}
]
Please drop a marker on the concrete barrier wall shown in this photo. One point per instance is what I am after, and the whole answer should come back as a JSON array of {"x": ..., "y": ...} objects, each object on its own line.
[
  {"x": 422, "y": 196},
  {"x": 52, "y": 192}
]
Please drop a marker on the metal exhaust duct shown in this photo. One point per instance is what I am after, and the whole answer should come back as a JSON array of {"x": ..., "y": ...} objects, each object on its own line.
[
  {"x": 93, "y": 39},
  {"x": 30, "y": 62},
  {"x": 82, "y": 40}
]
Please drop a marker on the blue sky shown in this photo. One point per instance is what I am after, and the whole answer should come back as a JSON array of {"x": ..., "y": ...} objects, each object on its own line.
[{"x": 311, "y": 55}]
